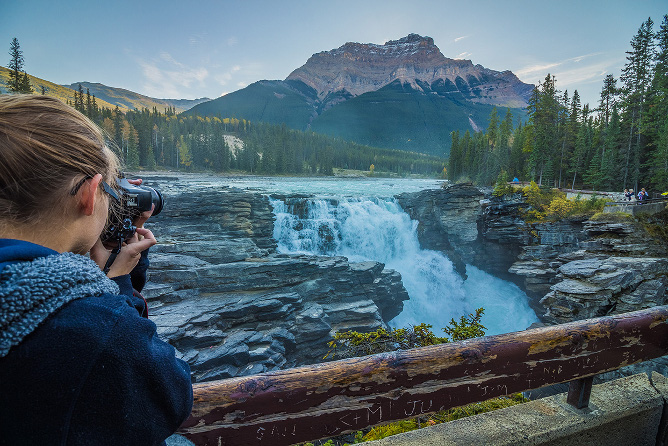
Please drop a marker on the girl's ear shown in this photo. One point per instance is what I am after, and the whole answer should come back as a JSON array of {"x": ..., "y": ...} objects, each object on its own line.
[{"x": 88, "y": 194}]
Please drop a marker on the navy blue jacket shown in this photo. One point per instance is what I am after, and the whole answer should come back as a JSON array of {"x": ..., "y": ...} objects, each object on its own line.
[{"x": 94, "y": 372}]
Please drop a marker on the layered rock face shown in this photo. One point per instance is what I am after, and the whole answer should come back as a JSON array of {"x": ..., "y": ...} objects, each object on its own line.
[
  {"x": 618, "y": 269},
  {"x": 447, "y": 220},
  {"x": 356, "y": 68},
  {"x": 231, "y": 305},
  {"x": 571, "y": 269}
]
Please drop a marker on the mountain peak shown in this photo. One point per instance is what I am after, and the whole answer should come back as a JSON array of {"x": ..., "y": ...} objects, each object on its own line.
[
  {"x": 357, "y": 68},
  {"x": 412, "y": 38}
]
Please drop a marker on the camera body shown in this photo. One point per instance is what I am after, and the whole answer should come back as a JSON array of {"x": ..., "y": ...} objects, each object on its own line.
[{"x": 131, "y": 201}]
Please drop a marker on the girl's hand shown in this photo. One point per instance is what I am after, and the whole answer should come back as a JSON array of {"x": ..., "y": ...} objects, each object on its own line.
[
  {"x": 129, "y": 256},
  {"x": 139, "y": 221}
]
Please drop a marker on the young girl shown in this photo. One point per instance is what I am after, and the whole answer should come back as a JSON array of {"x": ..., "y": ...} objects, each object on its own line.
[{"x": 79, "y": 361}]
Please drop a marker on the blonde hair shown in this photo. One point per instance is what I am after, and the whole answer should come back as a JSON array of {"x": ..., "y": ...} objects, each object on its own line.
[{"x": 45, "y": 148}]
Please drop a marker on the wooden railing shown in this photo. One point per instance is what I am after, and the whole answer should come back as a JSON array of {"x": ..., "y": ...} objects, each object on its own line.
[{"x": 325, "y": 400}]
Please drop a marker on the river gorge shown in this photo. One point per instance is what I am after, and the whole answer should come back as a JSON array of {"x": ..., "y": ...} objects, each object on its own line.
[{"x": 256, "y": 274}]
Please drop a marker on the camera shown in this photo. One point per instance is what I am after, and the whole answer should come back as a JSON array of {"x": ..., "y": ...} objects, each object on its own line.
[{"x": 130, "y": 201}]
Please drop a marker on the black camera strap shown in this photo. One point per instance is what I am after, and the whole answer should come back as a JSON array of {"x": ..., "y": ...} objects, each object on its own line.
[{"x": 112, "y": 256}]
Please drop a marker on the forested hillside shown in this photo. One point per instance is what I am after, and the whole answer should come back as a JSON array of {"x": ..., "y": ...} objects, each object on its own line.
[
  {"x": 621, "y": 143},
  {"x": 150, "y": 139}
]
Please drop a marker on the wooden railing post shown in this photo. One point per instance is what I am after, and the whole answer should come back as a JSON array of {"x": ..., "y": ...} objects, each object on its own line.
[{"x": 579, "y": 392}]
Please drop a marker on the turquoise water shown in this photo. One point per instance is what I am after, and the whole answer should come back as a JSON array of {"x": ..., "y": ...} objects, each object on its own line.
[{"x": 378, "y": 229}]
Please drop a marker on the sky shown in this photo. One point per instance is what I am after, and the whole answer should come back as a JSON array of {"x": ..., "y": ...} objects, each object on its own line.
[{"x": 205, "y": 48}]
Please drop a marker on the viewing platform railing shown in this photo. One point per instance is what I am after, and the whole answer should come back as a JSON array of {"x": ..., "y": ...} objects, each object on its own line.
[
  {"x": 649, "y": 206},
  {"x": 324, "y": 400}
]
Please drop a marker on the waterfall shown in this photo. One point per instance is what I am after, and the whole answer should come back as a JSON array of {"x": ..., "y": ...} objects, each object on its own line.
[{"x": 378, "y": 229}]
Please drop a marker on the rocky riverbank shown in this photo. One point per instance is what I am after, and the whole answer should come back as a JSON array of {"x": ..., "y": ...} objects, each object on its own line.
[{"x": 231, "y": 305}]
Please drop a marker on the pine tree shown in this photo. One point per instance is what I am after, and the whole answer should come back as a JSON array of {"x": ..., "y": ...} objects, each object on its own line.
[
  {"x": 15, "y": 82},
  {"x": 636, "y": 76},
  {"x": 25, "y": 84},
  {"x": 89, "y": 104},
  {"x": 657, "y": 122},
  {"x": 455, "y": 159},
  {"x": 543, "y": 115},
  {"x": 608, "y": 97}
]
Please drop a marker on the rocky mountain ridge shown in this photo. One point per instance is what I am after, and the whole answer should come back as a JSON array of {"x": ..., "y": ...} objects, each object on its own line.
[
  {"x": 403, "y": 95},
  {"x": 356, "y": 68}
]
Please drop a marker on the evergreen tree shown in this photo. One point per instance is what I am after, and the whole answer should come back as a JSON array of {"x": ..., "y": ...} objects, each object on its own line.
[
  {"x": 610, "y": 162},
  {"x": 25, "y": 84},
  {"x": 89, "y": 104},
  {"x": 18, "y": 82},
  {"x": 636, "y": 78},
  {"x": 455, "y": 160},
  {"x": 657, "y": 122},
  {"x": 608, "y": 97},
  {"x": 543, "y": 115},
  {"x": 517, "y": 155}
]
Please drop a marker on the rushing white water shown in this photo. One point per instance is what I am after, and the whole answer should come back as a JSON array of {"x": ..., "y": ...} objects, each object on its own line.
[{"x": 378, "y": 229}]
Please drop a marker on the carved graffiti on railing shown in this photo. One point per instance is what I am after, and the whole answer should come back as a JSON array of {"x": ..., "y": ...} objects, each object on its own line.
[{"x": 324, "y": 400}]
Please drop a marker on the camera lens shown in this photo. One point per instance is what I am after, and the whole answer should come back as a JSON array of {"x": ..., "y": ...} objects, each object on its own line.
[{"x": 156, "y": 198}]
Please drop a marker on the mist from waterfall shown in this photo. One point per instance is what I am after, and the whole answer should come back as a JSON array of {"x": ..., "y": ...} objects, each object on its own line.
[{"x": 378, "y": 229}]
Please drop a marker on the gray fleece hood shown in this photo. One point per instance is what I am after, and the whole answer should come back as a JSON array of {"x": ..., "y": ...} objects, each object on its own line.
[{"x": 31, "y": 291}]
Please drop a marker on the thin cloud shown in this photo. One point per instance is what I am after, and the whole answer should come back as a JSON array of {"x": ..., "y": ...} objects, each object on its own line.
[
  {"x": 460, "y": 38},
  {"x": 225, "y": 77},
  {"x": 167, "y": 77},
  {"x": 542, "y": 68},
  {"x": 464, "y": 55},
  {"x": 532, "y": 70},
  {"x": 580, "y": 73},
  {"x": 595, "y": 72}
]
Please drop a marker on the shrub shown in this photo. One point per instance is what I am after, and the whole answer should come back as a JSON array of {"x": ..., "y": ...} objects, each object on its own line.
[
  {"x": 352, "y": 343},
  {"x": 502, "y": 187},
  {"x": 552, "y": 205}
]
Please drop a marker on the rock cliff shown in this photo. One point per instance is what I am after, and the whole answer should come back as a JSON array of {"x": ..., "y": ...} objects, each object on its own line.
[
  {"x": 231, "y": 305},
  {"x": 571, "y": 269}
]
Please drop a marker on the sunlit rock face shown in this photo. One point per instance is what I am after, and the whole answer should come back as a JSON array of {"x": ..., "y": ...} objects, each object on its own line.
[
  {"x": 231, "y": 305},
  {"x": 357, "y": 68}
]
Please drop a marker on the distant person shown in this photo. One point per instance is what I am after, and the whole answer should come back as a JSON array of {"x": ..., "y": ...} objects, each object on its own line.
[
  {"x": 80, "y": 363},
  {"x": 642, "y": 195},
  {"x": 627, "y": 194},
  {"x": 516, "y": 180},
  {"x": 631, "y": 195}
]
